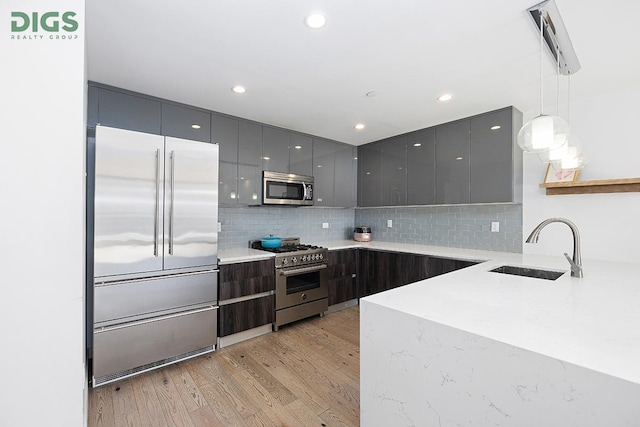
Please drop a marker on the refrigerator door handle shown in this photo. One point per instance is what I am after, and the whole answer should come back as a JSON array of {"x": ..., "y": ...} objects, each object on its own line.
[
  {"x": 156, "y": 225},
  {"x": 171, "y": 208}
]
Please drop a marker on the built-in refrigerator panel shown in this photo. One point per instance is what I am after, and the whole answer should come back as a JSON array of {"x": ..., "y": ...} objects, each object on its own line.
[
  {"x": 128, "y": 224},
  {"x": 191, "y": 204}
]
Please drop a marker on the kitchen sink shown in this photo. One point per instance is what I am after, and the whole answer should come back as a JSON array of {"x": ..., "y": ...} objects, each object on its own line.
[{"x": 528, "y": 272}]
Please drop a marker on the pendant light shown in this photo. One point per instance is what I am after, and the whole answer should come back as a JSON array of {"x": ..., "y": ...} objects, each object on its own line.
[{"x": 544, "y": 132}]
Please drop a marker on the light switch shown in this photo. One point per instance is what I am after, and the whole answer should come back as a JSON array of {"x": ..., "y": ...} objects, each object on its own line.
[
  {"x": 219, "y": 227},
  {"x": 325, "y": 225},
  {"x": 389, "y": 223},
  {"x": 495, "y": 226}
]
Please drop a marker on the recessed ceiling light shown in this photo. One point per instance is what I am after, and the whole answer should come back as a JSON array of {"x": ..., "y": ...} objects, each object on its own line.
[
  {"x": 239, "y": 89},
  {"x": 359, "y": 126},
  {"x": 315, "y": 20},
  {"x": 319, "y": 166},
  {"x": 445, "y": 97},
  {"x": 266, "y": 158},
  {"x": 417, "y": 144},
  {"x": 496, "y": 127},
  {"x": 458, "y": 158},
  {"x": 195, "y": 126},
  {"x": 297, "y": 147}
]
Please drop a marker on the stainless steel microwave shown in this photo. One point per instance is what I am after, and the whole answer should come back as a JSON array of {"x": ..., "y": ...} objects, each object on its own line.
[{"x": 286, "y": 189}]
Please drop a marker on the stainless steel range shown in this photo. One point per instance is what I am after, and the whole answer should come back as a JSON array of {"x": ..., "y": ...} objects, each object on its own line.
[{"x": 301, "y": 280}]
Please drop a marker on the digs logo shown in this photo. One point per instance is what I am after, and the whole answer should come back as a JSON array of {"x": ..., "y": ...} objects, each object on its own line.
[{"x": 59, "y": 26}]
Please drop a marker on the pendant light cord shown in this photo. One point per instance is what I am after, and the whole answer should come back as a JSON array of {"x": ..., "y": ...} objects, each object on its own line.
[
  {"x": 569, "y": 98},
  {"x": 541, "y": 47},
  {"x": 557, "y": 80}
]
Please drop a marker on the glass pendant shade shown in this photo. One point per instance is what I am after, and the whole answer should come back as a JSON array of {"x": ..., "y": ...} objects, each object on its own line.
[
  {"x": 568, "y": 157},
  {"x": 543, "y": 133},
  {"x": 573, "y": 158}
]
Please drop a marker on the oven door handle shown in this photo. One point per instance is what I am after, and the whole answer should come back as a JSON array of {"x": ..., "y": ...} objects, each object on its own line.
[
  {"x": 302, "y": 270},
  {"x": 304, "y": 191}
]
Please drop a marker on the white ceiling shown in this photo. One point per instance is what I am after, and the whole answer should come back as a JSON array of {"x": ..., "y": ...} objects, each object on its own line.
[{"x": 486, "y": 53}]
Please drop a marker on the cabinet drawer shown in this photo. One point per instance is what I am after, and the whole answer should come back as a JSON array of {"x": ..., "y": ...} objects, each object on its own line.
[
  {"x": 246, "y": 278},
  {"x": 122, "y": 348},
  {"x": 118, "y": 300},
  {"x": 244, "y": 315}
]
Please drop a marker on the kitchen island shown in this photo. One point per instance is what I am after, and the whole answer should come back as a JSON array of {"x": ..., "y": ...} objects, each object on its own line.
[{"x": 475, "y": 347}]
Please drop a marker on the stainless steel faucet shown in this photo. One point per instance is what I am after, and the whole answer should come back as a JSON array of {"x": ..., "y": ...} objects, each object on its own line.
[{"x": 576, "y": 262}]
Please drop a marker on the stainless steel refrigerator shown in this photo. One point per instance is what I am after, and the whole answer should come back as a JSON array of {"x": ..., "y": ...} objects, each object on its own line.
[{"x": 155, "y": 251}]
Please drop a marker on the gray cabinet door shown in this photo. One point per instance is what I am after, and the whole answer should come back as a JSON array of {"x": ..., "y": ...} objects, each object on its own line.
[
  {"x": 250, "y": 163},
  {"x": 187, "y": 123},
  {"x": 421, "y": 167},
  {"x": 323, "y": 166},
  {"x": 491, "y": 168},
  {"x": 124, "y": 111},
  {"x": 345, "y": 176},
  {"x": 300, "y": 154},
  {"x": 92, "y": 106},
  {"x": 191, "y": 203},
  {"x": 275, "y": 150},
  {"x": 224, "y": 132},
  {"x": 394, "y": 171},
  {"x": 369, "y": 175},
  {"x": 452, "y": 158}
]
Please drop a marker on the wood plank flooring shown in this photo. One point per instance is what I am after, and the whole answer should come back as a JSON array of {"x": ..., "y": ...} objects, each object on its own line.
[{"x": 306, "y": 374}]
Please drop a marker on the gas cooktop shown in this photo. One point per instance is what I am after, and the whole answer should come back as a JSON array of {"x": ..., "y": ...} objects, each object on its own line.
[{"x": 292, "y": 253}]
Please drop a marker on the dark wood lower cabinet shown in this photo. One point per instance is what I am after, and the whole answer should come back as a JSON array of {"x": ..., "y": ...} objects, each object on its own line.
[
  {"x": 246, "y": 278},
  {"x": 380, "y": 270},
  {"x": 342, "y": 266},
  {"x": 438, "y": 266},
  {"x": 243, "y": 280},
  {"x": 244, "y": 315}
]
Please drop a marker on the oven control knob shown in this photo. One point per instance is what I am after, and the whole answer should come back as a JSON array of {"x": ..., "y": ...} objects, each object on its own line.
[
  {"x": 303, "y": 296},
  {"x": 294, "y": 259},
  {"x": 285, "y": 261},
  {"x": 320, "y": 256},
  {"x": 304, "y": 258}
]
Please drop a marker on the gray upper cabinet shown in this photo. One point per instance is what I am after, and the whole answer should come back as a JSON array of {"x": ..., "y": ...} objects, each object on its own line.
[
  {"x": 250, "y": 163},
  {"x": 421, "y": 167},
  {"x": 224, "y": 132},
  {"x": 300, "y": 154},
  {"x": 324, "y": 172},
  {"x": 275, "y": 149},
  {"x": 394, "y": 171},
  {"x": 452, "y": 159},
  {"x": 496, "y": 164},
  {"x": 369, "y": 174},
  {"x": 335, "y": 173},
  {"x": 124, "y": 111},
  {"x": 92, "y": 106},
  {"x": 345, "y": 175},
  {"x": 186, "y": 123}
]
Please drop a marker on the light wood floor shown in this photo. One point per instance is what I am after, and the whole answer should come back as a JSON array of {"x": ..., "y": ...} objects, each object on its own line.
[{"x": 306, "y": 374}]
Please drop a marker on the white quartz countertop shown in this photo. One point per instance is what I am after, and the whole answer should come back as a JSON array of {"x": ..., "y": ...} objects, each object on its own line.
[
  {"x": 593, "y": 322},
  {"x": 232, "y": 256}
]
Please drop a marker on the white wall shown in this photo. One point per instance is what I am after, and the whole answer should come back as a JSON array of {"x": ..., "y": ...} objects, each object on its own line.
[
  {"x": 42, "y": 221},
  {"x": 609, "y": 224}
]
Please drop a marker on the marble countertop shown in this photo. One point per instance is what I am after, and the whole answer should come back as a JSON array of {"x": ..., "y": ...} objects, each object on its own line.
[{"x": 593, "y": 322}]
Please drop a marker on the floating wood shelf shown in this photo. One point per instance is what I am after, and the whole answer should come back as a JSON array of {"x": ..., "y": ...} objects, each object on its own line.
[{"x": 626, "y": 185}]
